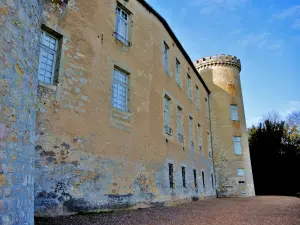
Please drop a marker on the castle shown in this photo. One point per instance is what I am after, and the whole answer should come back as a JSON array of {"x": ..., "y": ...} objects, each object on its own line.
[{"x": 101, "y": 109}]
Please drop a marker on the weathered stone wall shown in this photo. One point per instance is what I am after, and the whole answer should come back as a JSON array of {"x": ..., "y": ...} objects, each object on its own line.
[
  {"x": 222, "y": 75},
  {"x": 19, "y": 52},
  {"x": 91, "y": 157}
]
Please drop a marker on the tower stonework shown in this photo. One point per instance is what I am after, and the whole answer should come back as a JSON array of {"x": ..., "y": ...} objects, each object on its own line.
[
  {"x": 19, "y": 58},
  {"x": 222, "y": 75}
]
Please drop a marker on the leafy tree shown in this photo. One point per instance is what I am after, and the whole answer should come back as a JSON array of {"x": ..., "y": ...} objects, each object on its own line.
[{"x": 275, "y": 157}]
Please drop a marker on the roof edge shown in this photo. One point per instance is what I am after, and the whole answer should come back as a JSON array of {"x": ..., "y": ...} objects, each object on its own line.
[{"x": 168, "y": 28}]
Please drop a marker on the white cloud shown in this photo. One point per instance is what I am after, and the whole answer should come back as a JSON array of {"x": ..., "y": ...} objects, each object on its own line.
[
  {"x": 291, "y": 12},
  {"x": 212, "y": 6},
  {"x": 261, "y": 40}
]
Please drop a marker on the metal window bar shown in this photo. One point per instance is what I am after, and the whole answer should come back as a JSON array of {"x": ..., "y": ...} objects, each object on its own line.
[{"x": 48, "y": 53}]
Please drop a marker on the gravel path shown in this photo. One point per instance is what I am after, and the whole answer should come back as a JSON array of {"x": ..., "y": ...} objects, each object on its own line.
[{"x": 254, "y": 211}]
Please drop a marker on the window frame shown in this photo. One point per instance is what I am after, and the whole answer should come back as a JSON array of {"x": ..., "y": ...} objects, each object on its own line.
[
  {"x": 234, "y": 138},
  {"x": 179, "y": 124},
  {"x": 189, "y": 87},
  {"x": 195, "y": 178},
  {"x": 197, "y": 97},
  {"x": 192, "y": 144},
  {"x": 183, "y": 173},
  {"x": 166, "y": 57},
  {"x": 117, "y": 33},
  {"x": 124, "y": 85},
  {"x": 171, "y": 175},
  {"x": 199, "y": 130},
  {"x": 239, "y": 174},
  {"x": 167, "y": 119},
  {"x": 234, "y": 118},
  {"x": 48, "y": 50},
  {"x": 178, "y": 71}
]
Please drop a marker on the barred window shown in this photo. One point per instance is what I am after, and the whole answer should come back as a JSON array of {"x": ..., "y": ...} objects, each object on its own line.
[
  {"x": 199, "y": 137},
  {"x": 48, "y": 54},
  {"x": 120, "y": 90},
  {"x": 237, "y": 145}
]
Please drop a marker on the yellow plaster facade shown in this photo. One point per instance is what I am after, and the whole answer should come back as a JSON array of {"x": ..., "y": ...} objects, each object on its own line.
[
  {"x": 222, "y": 75},
  {"x": 91, "y": 156}
]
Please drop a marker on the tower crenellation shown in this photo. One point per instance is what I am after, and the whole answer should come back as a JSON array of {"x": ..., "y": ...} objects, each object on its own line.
[{"x": 217, "y": 59}]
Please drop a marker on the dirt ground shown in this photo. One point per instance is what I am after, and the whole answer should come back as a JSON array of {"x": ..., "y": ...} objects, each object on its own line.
[{"x": 258, "y": 210}]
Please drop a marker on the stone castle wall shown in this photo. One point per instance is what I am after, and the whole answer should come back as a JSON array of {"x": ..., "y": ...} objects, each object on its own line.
[
  {"x": 19, "y": 53},
  {"x": 222, "y": 75},
  {"x": 92, "y": 157}
]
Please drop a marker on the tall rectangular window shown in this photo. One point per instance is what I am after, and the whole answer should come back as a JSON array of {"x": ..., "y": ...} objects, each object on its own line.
[
  {"x": 166, "y": 57},
  {"x": 122, "y": 20},
  {"x": 167, "y": 115},
  {"x": 189, "y": 87},
  {"x": 234, "y": 112},
  {"x": 48, "y": 54},
  {"x": 241, "y": 172},
  {"x": 171, "y": 175},
  {"x": 209, "y": 144},
  {"x": 179, "y": 124},
  {"x": 197, "y": 98},
  {"x": 203, "y": 179},
  {"x": 178, "y": 76},
  {"x": 212, "y": 180},
  {"x": 195, "y": 178},
  {"x": 120, "y": 90},
  {"x": 237, "y": 145},
  {"x": 206, "y": 108},
  {"x": 191, "y": 132},
  {"x": 183, "y": 176},
  {"x": 199, "y": 137}
]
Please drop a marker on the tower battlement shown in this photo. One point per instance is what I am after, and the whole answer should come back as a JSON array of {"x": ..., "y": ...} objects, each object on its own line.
[{"x": 221, "y": 59}]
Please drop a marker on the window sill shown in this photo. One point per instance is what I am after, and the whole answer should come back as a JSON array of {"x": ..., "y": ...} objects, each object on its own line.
[{"x": 49, "y": 86}]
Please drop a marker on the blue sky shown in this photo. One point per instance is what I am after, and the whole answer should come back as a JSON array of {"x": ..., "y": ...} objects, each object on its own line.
[{"x": 264, "y": 34}]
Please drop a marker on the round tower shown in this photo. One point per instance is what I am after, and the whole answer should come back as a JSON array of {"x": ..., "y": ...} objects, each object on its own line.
[{"x": 230, "y": 139}]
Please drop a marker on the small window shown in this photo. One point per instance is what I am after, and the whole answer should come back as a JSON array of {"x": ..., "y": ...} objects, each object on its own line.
[
  {"x": 171, "y": 175},
  {"x": 166, "y": 57},
  {"x": 120, "y": 90},
  {"x": 48, "y": 56},
  {"x": 189, "y": 87},
  {"x": 122, "y": 21},
  {"x": 234, "y": 112},
  {"x": 203, "y": 179},
  {"x": 197, "y": 98},
  {"x": 183, "y": 176},
  {"x": 179, "y": 124},
  {"x": 241, "y": 172},
  {"x": 167, "y": 102},
  {"x": 237, "y": 145},
  {"x": 212, "y": 180},
  {"x": 178, "y": 77},
  {"x": 195, "y": 178}
]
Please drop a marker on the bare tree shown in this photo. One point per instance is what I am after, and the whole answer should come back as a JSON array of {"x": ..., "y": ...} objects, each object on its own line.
[
  {"x": 273, "y": 116},
  {"x": 293, "y": 119}
]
